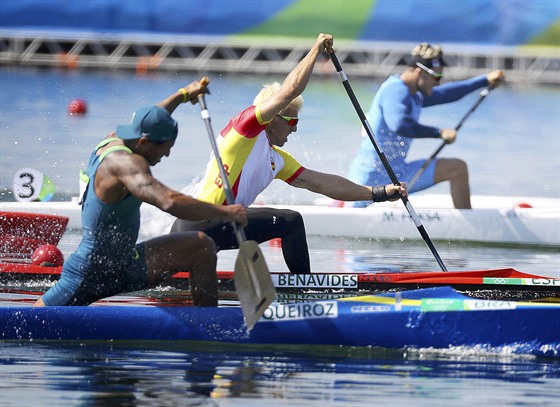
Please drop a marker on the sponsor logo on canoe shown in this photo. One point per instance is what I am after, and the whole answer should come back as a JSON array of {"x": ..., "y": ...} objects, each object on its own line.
[
  {"x": 475, "y": 305},
  {"x": 316, "y": 280},
  {"x": 542, "y": 281},
  {"x": 522, "y": 281},
  {"x": 502, "y": 280},
  {"x": 375, "y": 278},
  {"x": 441, "y": 304},
  {"x": 427, "y": 216},
  {"x": 450, "y": 304},
  {"x": 292, "y": 312},
  {"x": 359, "y": 309},
  {"x": 307, "y": 297}
]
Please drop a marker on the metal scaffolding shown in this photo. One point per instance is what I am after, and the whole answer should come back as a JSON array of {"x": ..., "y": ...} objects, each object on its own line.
[{"x": 145, "y": 54}]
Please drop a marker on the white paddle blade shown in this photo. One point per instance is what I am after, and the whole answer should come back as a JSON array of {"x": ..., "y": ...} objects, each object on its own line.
[{"x": 253, "y": 282}]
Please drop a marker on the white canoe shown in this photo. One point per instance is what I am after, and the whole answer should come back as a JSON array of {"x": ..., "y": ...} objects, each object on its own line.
[{"x": 493, "y": 219}]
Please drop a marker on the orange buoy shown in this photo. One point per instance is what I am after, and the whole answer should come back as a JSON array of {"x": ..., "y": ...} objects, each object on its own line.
[
  {"x": 77, "y": 107},
  {"x": 47, "y": 255}
]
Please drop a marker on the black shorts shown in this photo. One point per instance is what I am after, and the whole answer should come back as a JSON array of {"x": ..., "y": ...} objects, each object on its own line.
[{"x": 263, "y": 224}]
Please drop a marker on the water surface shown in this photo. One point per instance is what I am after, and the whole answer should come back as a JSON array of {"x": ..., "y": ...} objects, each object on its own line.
[{"x": 511, "y": 144}]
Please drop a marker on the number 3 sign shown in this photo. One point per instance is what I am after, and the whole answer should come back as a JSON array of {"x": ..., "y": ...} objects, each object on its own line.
[{"x": 32, "y": 185}]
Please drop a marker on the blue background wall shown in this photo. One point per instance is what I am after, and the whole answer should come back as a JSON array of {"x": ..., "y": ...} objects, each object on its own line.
[{"x": 496, "y": 22}]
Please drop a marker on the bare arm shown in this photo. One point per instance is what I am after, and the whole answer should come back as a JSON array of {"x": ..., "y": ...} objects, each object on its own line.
[
  {"x": 187, "y": 94},
  {"x": 296, "y": 81},
  {"x": 123, "y": 173},
  {"x": 340, "y": 188},
  {"x": 495, "y": 78}
]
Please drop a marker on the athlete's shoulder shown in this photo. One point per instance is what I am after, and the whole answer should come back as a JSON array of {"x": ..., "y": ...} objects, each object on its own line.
[
  {"x": 395, "y": 86},
  {"x": 246, "y": 123}
]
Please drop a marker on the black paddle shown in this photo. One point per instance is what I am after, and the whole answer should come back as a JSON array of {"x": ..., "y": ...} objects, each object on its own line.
[
  {"x": 394, "y": 180},
  {"x": 251, "y": 276},
  {"x": 418, "y": 173}
]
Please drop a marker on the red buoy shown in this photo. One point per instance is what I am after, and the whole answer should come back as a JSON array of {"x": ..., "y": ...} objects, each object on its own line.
[
  {"x": 77, "y": 107},
  {"x": 277, "y": 242},
  {"x": 47, "y": 255},
  {"x": 523, "y": 205}
]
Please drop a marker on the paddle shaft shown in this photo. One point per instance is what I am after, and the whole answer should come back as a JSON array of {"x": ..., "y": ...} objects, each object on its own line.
[
  {"x": 418, "y": 173},
  {"x": 239, "y": 231},
  {"x": 253, "y": 283},
  {"x": 392, "y": 176}
]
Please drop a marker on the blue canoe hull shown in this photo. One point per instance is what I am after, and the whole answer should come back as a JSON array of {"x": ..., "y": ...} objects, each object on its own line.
[{"x": 428, "y": 318}]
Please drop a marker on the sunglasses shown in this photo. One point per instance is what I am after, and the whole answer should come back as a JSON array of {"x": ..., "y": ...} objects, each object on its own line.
[
  {"x": 292, "y": 121},
  {"x": 436, "y": 76}
]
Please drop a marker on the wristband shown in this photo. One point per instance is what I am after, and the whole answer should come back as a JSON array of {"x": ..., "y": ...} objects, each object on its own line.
[
  {"x": 185, "y": 94},
  {"x": 379, "y": 193}
]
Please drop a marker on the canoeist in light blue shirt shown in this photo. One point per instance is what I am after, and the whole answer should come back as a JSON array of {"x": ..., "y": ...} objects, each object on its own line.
[{"x": 394, "y": 117}]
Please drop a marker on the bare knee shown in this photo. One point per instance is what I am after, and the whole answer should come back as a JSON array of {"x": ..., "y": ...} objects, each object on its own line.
[
  {"x": 168, "y": 254},
  {"x": 206, "y": 244},
  {"x": 461, "y": 168},
  {"x": 191, "y": 244},
  {"x": 449, "y": 169},
  {"x": 195, "y": 248}
]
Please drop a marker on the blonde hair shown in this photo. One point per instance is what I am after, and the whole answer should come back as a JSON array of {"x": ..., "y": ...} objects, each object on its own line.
[
  {"x": 270, "y": 89},
  {"x": 427, "y": 51}
]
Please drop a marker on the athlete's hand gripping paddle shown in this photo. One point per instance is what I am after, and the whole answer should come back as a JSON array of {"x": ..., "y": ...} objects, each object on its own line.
[
  {"x": 418, "y": 173},
  {"x": 251, "y": 276},
  {"x": 392, "y": 176}
]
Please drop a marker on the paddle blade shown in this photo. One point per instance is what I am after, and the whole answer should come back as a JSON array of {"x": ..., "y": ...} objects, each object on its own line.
[{"x": 253, "y": 282}]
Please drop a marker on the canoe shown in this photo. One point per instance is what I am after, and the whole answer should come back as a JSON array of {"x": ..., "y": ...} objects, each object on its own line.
[
  {"x": 491, "y": 284},
  {"x": 21, "y": 233},
  {"x": 494, "y": 219},
  {"x": 438, "y": 318}
]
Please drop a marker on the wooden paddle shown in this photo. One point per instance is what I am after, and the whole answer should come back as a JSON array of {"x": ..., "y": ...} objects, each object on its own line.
[
  {"x": 418, "y": 173},
  {"x": 251, "y": 276},
  {"x": 392, "y": 176}
]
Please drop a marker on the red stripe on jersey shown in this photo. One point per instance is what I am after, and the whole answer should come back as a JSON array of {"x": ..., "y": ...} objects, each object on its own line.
[
  {"x": 245, "y": 124},
  {"x": 296, "y": 174}
]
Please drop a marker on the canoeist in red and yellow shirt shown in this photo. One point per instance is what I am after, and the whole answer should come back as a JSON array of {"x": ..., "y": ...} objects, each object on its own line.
[{"x": 249, "y": 147}]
